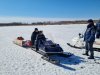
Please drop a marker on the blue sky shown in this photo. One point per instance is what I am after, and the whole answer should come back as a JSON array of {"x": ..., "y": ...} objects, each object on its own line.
[{"x": 50, "y": 8}]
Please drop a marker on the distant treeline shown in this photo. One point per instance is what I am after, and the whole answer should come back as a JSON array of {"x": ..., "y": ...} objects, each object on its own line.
[
  {"x": 13, "y": 24},
  {"x": 46, "y": 23}
]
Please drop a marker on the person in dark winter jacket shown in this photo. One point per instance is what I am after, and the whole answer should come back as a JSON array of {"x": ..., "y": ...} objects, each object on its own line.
[
  {"x": 89, "y": 38},
  {"x": 98, "y": 29},
  {"x": 40, "y": 40},
  {"x": 34, "y": 35}
]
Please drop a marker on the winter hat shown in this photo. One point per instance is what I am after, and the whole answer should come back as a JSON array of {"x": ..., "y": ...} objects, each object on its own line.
[
  {"x": 36, "y": 29},
  {"x": 90, "y": 20}
]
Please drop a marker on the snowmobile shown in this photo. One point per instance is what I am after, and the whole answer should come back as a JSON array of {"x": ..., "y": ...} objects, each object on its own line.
[
  {"x": 48, "y": 49},
  {"x": 78, "y": 42}
]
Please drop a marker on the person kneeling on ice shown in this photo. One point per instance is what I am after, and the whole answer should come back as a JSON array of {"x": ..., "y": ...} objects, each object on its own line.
[
  {"x": 40, "y": 39},
  {"x": 89, "y": 38},
  {"x": 34, "y": 35},
  {"x": 98, "y": 30}
]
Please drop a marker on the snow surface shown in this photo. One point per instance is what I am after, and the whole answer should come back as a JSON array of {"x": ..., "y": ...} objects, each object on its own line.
[{"x": 15, "y": 60}]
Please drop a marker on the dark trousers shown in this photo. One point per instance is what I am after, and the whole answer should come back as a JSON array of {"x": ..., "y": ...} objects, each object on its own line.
[
  {"x": 33, "y": 41},
  {"x": 89, "y": 47},
  {"x": 38, "y": 43}
]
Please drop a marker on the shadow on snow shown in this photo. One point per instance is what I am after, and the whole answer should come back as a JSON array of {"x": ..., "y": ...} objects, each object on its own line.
[{"x": 73, "y": 60}]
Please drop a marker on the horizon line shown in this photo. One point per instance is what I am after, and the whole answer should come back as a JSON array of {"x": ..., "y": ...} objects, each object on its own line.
[{"x": 9, "y": 19}]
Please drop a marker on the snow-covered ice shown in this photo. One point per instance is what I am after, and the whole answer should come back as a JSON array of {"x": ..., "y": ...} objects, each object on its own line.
[{"x": 15, "y": 60}]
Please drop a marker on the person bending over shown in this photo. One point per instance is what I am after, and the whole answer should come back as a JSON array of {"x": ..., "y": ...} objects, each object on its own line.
[{"x": 40, "y": 40}]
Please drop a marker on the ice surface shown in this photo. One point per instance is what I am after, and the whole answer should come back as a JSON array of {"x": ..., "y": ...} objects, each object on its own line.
[{"x": 15, "y": 60}]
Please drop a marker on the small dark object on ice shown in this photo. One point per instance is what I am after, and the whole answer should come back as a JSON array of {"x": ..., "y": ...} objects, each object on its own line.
[{"x": 44, "y": 64}]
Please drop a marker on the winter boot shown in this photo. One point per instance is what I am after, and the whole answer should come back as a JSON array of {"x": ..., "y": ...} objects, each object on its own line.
[
  {"x": 37, "y": 49},
  {"x": 91, "y": 57},
  {"x": 86, "y": 53}
]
